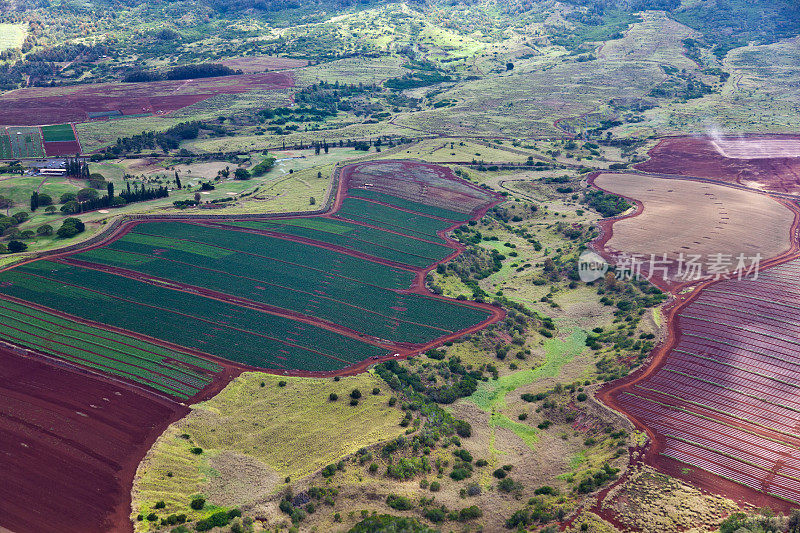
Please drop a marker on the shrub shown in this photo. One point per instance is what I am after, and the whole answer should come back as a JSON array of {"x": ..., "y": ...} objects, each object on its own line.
[
  {"x": 333, "y": 397},
  {"x": 44, "y": 230},
  {"x": 435, "y": 515},
  {"x": 281, "y": 383},
  {"x": 196, "y": 450},
  {"x": 356, "y": 394},
  {"x": 376, "y": 391},
  {"x": 400, "y": 503},
  {"x": 17, "y": 246},
  {"x": 460, "y": 473},
  {"x": 581, "y": 397},
  {"x": 469, "y": 513},
  {"x": 159, "y": 505},
  {"x": 509, "y": 485},
  {"x": 499, "y": 473},
  {"x": 70, "y": 227},
  {"x": 435, "y": 486},
  {"x": 198, "y": 503}
]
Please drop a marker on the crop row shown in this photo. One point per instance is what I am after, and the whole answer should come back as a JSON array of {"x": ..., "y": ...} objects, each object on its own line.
[
  {"x": 370, "y": 310},
  {"x": 215, "y": 327},
  {"x": 371, "y": 241},
  {"x": 135, "y": 359},
  {"x": 410, "y": 205},
  {"x": 732, "y": 453},
  {"x": 415, "y": 225},
  {"x": 220, "y": 243}
]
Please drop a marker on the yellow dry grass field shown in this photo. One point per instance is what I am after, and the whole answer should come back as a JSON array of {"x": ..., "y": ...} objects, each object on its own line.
[
  {"x": 657, "y": 38},
  {"x": 696, "y": 218},
  {"x": 12, "y": 36},
  {"x": 253, "y": 436}
]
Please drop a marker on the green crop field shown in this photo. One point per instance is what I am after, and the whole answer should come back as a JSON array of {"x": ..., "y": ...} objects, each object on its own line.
[
  {"x": 353, "y": 303},
  {"x": 408, "y": 204},
  {"x": 58, "y": 133},
  {"x": 336, "y": 288},
  {"x": 190, "y": 320},
  {"x": 419, "y": 226},
  {"x": 6, "y": 152},
  {"x": 26, "y": 142},
  {"x": 370, "y": 241},
  {"x": 171, "y": 372}
]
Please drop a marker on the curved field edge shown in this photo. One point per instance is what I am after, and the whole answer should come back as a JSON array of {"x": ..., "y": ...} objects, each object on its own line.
[
  {"x": 255, "y": 434},
  {"x": 682, "y": 294},
  {"x": 493, "y": 313}
]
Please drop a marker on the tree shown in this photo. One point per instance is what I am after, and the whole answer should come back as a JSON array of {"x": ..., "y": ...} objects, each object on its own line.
[
  {"x": 356, "y": 394},
  {"x": 241, "y": 174},
  {"x": 70, "y": 227},
  {"x": 509, "y": 66},
  {"x": 110, "y": 190},
  {"x": 34, "y": 201},
  {"x": 177, "y": 180},
  {"x": 67, "y": 197},
  {"x": 17, "y": 246},
  {"x": 70, "y": 208},
  {"x": 44, "y": 230},
  {"x": 20, "y": 217},
  {"x": 84, "y": 195},
  {"x": 45, "y": 200}
]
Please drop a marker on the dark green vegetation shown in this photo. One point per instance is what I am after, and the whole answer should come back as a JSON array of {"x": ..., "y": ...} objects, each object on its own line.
[
  {"x": 169, "y": 371},
  {"x": 58, "y": 133},
  {"x": 374, "y": 242},
  {"x": 238, "y": 294}
]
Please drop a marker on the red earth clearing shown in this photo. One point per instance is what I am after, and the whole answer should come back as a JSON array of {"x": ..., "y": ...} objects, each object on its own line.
[
  {"x": 70, "y": 443},
  {"x": 762, "y": 162},
  {"x": 54, "y": 105}
]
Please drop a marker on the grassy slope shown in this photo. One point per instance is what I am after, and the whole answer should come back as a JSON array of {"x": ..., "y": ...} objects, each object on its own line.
[{"x": 285, "y": 431}]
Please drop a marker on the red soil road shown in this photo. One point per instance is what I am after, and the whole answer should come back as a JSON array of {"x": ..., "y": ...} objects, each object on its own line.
[
  {"x": 682, "y": 295},
  {"x": 55, "y": 105},
  {"x": 70, "y": 445},
  {"x": 698, "y": 157}
]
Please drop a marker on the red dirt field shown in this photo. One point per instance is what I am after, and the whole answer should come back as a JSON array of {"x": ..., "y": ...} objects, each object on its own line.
[
  {"x": 53, "y": 105},
  {"x": 70, "y": 444},
  {"x": 670, "y": 282},
  {"x": 62, "y": 148},
  {"x": 762, "y": 162}
]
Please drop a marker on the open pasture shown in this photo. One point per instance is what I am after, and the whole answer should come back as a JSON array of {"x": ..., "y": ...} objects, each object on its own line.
[
  {"x": 724, "y": 399},
  {"x": 306, "y": 294},
  {"x": 79, "y": 104},
  {"x": 84, "y": 434},
  {"x": 763, "y": 162},
  {"x": 703, "y": 220}
]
